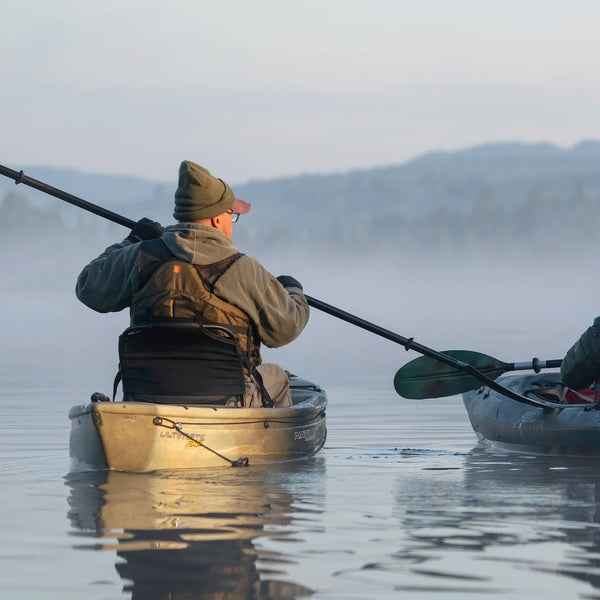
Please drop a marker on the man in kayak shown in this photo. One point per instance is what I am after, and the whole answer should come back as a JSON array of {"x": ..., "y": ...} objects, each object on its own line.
[
  {"x": 192, "y": 272},
  {"x": 581, "y": 366}
]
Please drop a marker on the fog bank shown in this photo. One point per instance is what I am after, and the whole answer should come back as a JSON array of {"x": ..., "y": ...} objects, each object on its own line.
[{"x": 513, "y": 312}]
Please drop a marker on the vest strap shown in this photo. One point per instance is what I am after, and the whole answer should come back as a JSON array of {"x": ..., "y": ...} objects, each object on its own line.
[
  {"x": 264, "y": 395},
  {"x": 116, "y": 382}
]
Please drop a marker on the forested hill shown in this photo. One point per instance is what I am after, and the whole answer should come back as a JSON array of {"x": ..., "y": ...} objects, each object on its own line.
[
  {"x": 453, "y": 181},
  {"x": 493, "y": 196}
]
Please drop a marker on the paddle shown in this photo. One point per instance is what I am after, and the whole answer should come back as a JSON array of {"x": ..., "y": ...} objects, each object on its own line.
[
  {"x": 427, "y": 378},
  {"x": 438, "y": 374},
  {"x": 455, "y": 363}
]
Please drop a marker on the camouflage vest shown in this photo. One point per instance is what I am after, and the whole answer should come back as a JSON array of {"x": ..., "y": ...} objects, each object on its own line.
[{"x": 171, "y": 289}]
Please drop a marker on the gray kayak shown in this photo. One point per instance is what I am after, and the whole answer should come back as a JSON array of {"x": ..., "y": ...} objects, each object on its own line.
[{"x": 558, "y": 424}]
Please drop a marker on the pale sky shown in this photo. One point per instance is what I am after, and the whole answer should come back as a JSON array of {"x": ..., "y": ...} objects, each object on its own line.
[{"x": 266, "y": 88}]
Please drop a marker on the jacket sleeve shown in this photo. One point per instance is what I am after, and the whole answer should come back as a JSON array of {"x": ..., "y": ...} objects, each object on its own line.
[
  {"x": 581, "y": 366},
  {"x": 110, "y": 281},
  {"x": 279, "y": 314}
]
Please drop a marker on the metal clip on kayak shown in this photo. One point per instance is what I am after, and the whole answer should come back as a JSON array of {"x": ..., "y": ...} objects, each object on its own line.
[{"x": 160, "y": 422}]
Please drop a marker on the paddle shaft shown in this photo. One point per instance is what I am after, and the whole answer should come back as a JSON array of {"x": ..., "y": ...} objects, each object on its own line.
[
  {"x": 20, "y": 177},
  {"x": 408, "y": 343},
  {"x": 536, "y": 365}
]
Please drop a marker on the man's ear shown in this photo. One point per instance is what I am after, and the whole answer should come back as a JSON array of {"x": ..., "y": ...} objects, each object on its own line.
[{"x": 223, "y": 224}]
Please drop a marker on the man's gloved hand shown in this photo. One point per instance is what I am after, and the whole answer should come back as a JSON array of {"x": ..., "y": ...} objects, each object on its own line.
[
  {"x": 145, "y": 229},
  {"x": 288, "y": 281}
]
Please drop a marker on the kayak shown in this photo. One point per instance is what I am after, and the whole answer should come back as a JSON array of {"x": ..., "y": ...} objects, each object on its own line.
[
  {"x": 141, "y": 436},
  {"x": 556, "y": 421}
]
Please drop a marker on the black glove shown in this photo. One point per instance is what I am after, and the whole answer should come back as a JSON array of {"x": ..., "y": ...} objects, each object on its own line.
[
  {"x": 288, "y": 281},
  {"x": 145, "y": 229}
]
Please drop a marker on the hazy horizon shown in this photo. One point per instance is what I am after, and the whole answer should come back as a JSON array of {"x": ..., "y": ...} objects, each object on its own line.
[{"x": 29, "y": 169}]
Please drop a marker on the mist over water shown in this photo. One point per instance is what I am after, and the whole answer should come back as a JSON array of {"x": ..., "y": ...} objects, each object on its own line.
[{"x": 512, "y": 312}]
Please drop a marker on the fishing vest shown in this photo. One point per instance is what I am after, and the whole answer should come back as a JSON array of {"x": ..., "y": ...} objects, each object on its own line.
[{"x": 173, "y": 290}]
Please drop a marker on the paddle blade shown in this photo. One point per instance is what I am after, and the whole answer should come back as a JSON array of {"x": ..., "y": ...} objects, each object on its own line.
[{"x": 426, "y": 377}]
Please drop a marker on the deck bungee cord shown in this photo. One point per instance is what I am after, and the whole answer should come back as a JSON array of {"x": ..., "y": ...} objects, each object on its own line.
[{"x": 160, "y": 422}]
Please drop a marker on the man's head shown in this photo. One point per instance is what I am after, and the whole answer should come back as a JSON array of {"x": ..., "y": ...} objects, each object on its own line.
[{"x": 201, "y": 196}]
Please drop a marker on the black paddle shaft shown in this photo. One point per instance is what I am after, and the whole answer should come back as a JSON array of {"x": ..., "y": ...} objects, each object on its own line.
[
  {"x": 408, "y": 343},
  {"x": 20, "y": 177}
]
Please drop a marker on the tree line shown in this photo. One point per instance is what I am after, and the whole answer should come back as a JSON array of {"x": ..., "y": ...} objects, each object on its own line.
[{"x": 543, "y": 222}]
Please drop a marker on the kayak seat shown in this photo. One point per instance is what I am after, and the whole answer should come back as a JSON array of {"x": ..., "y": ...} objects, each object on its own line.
[
  {"x": 558, "y": 393},
  {"x": 180, "y": 363},
  {"x": 551, "y": 393}
]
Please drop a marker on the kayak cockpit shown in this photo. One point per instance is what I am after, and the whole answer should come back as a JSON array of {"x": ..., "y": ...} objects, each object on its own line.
[{"x": 549, "y": 387}]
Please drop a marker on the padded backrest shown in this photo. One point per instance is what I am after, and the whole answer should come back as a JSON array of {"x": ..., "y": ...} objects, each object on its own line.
[{"x": 182, "y": 363}]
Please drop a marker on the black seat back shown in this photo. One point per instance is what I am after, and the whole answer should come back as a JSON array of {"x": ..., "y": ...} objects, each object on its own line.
[{"x": 180, "y": 363}]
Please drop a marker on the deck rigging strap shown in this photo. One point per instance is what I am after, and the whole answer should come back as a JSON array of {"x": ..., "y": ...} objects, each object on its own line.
[{"x": 160, "y": 422}]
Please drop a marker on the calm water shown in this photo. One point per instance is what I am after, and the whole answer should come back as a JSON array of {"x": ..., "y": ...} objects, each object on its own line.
[{"x": 401, "y": 503}]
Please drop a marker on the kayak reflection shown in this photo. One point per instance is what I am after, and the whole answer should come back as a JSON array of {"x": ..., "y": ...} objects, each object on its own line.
[
  {"x": 501, "y": 515},
  {"x": 184, "y": 535},
  {"x": 560, "y": 495}
]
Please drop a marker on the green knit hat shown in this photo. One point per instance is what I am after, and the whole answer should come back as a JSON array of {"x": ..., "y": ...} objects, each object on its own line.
[{"x": 199, "y": 195}]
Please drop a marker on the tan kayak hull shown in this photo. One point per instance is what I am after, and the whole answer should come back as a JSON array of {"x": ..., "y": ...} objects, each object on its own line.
[{"x": 141, "y": 437}]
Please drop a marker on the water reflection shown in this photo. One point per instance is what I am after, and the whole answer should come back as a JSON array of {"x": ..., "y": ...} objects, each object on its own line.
[
  {"x": 197, "y": 535},
  {"x": 501, "y": 515},
  {"x": 558, "y": 497}
]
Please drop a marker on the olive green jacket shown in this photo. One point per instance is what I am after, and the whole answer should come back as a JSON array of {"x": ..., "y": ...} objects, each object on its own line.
[
  {"x": 581, "y": 365},
  {"x": 110, "y": 281}
]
